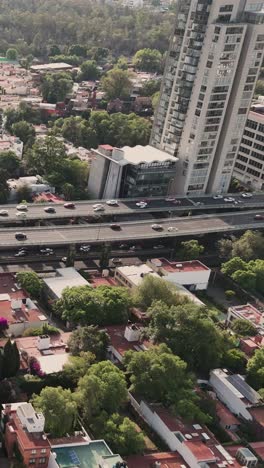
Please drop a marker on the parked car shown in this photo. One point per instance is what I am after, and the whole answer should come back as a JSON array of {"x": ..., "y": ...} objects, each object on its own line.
[
  {"x": 3, "y": 212},
  {"x": 20, "y": 236},
  {"x": 50, "y": 209},
  {"x": 156, "y": 227},
  {"x": 115, "y": 227},
  {"x": 22, "y": 207},
  {"x": 70, "y": 205}
]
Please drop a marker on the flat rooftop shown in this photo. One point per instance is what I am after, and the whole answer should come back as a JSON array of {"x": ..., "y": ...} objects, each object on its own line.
[
  {"x": 89, "y": 455},
  {"x": 65, "y": 277},
  {"x": 28, "y": 440},
  {"x": 51, "y": 66},
  {"x": 137, "y": 155},
  {"x": 248, "y": 312},
  {"x": 135, "y": 273},
  {"x": 165, "y": 460},
  {"x": 179, "y": 267}
]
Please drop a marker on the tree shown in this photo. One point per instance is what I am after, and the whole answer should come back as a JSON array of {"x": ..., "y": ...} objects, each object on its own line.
[
  {"x": 190, "y": 333},
  {"x": 3, "y": 324},
  {"x": 191, "y": 250},
  {"x": 153, "y": 289},
  {"x": 259, "y": 89},
  {"x": 68, "y": 191},
  {"x": 246, "y": 279},
  {"x": 116, "y": 84},
  {"x": 11, "y": 359},
  {"x": 55, "y": 86},
  {"x": 46, "y": 156},
  {"x": 148, "y": 60},
  {"x": 122, "y": 63},
  {"x": 24, "y": 131},
  {"x": 77, "y": 49},
  {"x": 9, "y": 162},
  {"x": 30, "y": 281},
  {"x": 11, "y": 54},
  {"x": 230, "y": 294},
  {"x": 233, "y": 265},
  {"x": 59, "y": 409},
  {"x": 155, "y": 99},
  {"x": 102, "y": 388},
  {"x": 255, "y": 369},
  {"x": 235, "y": 360},
  {"x": 104, "y": 257},
  {"x": 89, "y": 70},
  {"x": 150, "y": 88},
  {"x": 90, "y": 339},
  {"x": 87, "y": 306},
  {"x": 23, "y": 192},
  {"x": 249, "y": 246},
  {"x": 77, "y": 366},
  {"x": 243, "y": 327},
  {"x": 4, "y": 187},
  {"x": 120, "y": 433}
]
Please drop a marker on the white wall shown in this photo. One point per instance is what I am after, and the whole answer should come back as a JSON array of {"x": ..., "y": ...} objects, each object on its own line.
[
  {"x": 198, "y": 278},
  {"x": 225, "y": 393},
  {"x": 17, "y": 329}
]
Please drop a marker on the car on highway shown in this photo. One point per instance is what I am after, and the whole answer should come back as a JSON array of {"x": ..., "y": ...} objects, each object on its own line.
[
  {"x": 142, "y": 204},
  {"x": 85, "y": 248},
  {"x": 20, "y": 236},
  {"x": 259, "y": 216},
  {"x": 229, "y": 199},
  {"x": 49, "y": 209},
  {"x": 157, "y": 247},
  {"x": 22, "y": 207},
  {"x": 246, "y": 195},
  {"x": 99, "y": 208},
  {"x": 64, "y": 259},
  {"x": 115, "y": 227},
  {"x": 157, "y": 227},
  {"x": 116, "y": 261},
  {"x": 218, "y": 197},
  {"x": 69, "y": 205},
  {"x": 123, "y": 246},
  {"x": 3, "y": 212},
  {"x": 21, "y": 253},
  {"x": 47, "y": 251},
  {"x": 112, "y": 202},
  {"x": 21, "y": 214},
  {"x": 170, "y": 199},
  {"x": 97, "y": 204},
  {"x": 172, "y": 229}
]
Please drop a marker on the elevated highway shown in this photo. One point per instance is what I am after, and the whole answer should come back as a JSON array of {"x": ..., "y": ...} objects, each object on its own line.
[{"x": 133, "y": 230}]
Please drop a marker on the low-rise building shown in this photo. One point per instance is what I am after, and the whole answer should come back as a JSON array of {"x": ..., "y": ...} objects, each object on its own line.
[
  {"x": 227, "y": 420},
  {"x": 130, "y": 172},
  {"x": 23, "y": 430},
  {"x": 35, "y": 184},
  {"x": 125, "y": 338},
  {"x": 235, "y": 393},
  {"x": 11, "y": 143},
  {"x": 131, "y": 276},
  {"x": 64, "y": 278},
  {"x": 193, "y": 274},
  {"x": 51, "y": 67},
  {"x": 246, "y": 312}
]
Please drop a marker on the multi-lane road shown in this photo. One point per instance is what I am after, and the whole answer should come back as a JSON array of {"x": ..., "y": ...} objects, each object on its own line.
[
  {"x": 128, "y": 207},
  {"x": 133, "y": 230}
]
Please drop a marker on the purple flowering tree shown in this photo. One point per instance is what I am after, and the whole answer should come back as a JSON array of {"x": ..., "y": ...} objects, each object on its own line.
[
  {"x": 34, "y": 367},
  {"x": 3, "y": 324}
]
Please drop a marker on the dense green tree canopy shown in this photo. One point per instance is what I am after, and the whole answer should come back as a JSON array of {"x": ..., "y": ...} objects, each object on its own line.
[
  {"x": 190, "y": 333},
  {"x": 9, "y": 360},
  {"x": 148, "y": 60},
  {"x": 59, "y": 409},
  {"x": 249, "y": 246},
  {"x": 243, "y": 327},
  {"x": 55, "y": 86},
  {"x": 89, "y": 70},
  {"x": 10, "y": 163},
  {"x": 88, "y": 306},
  {"x": 24, "y": 131},
  {"x": 255, "y": 369},
  {"x": 89, "y": 339},
  {"x": 11, "y": 54},
  {"x": 249, "y": 275},
  {"x": 77, "y": 366},
  {"x": 191, "y": 250},
  {"x": 30, "y": 281},
  {"x": 156, "y": 289},
  {"x": 116, "y": 84},
  {"x": 4, "y": 188}
]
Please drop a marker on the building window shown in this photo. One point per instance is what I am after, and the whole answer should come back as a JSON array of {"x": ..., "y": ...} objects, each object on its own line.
[
  {"x": 43, "y": 450},
  {"x": 33, "y": 451},
  {"x": 42, "y": 460},
  {"x": 32, "y": 461}
]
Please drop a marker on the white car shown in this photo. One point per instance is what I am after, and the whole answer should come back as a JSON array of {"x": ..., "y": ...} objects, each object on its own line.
[
  {"x": 47, "y": 251},
  {"x": 85, "y": 248},
  {"x": 21, "y": 214},
  {"x": 156, "y": 227},
  {"x": 112, "y": 202},
  {"x": 3, "y": 213},
  {"x": 246, "y": 195},
  {"x": 97, "y": 204},
  {"x": 99, "y": 208},
  {"x": 229, "y": 199},
  {"x": 157, "y": 247},
  {"x": 218, "y": 197},
  {"x": 141, "y": 204},
  {"x": 170, "y": 199},
  {"x": 172, "y": 228},
  {"x": 22, "y": 207}
]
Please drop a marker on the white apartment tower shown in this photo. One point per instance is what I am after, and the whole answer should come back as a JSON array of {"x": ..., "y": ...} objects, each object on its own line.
[{"x": 212, "y": 66}]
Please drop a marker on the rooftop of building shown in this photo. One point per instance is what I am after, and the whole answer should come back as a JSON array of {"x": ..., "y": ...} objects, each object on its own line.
[
  {"x": 258, "y": 414},
  {"x": 258, "y": 448},
  {"x": 236, "y": 383},
  {"x": 85, "y": 455},
  {"x": 224, "y": 414},
  {"x": 51, "y": 66},
  {"x": 137, "y": 155},
  {"x": 95, "y": 281},
  {"x": 165, "y": 460},
  {"x": 135, "y": 273},
  {"x": 65, "y": 277},
  {"x": 27, "y": 439},
  {"x": 248, "y": 312},
  {"x": 12, "y": 306},
  {"x": 48, "y": 197},
  {"x": 179, "y": 267},
  {"x": 121, "y": 344}
]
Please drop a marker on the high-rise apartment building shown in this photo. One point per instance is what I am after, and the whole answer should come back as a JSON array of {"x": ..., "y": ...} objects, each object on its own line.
[{"x": 213, "y": 62}]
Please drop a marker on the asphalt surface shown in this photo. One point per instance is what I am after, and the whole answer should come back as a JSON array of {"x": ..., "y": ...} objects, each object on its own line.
[
  {"x": 85, "y": 208},
  {"x": 132, "y": 231}
]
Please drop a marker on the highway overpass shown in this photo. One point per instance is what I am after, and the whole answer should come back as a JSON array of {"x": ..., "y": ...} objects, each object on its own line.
[
  {"x": 84, "y": 209},
  {"x": 133, "y": 230}
]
